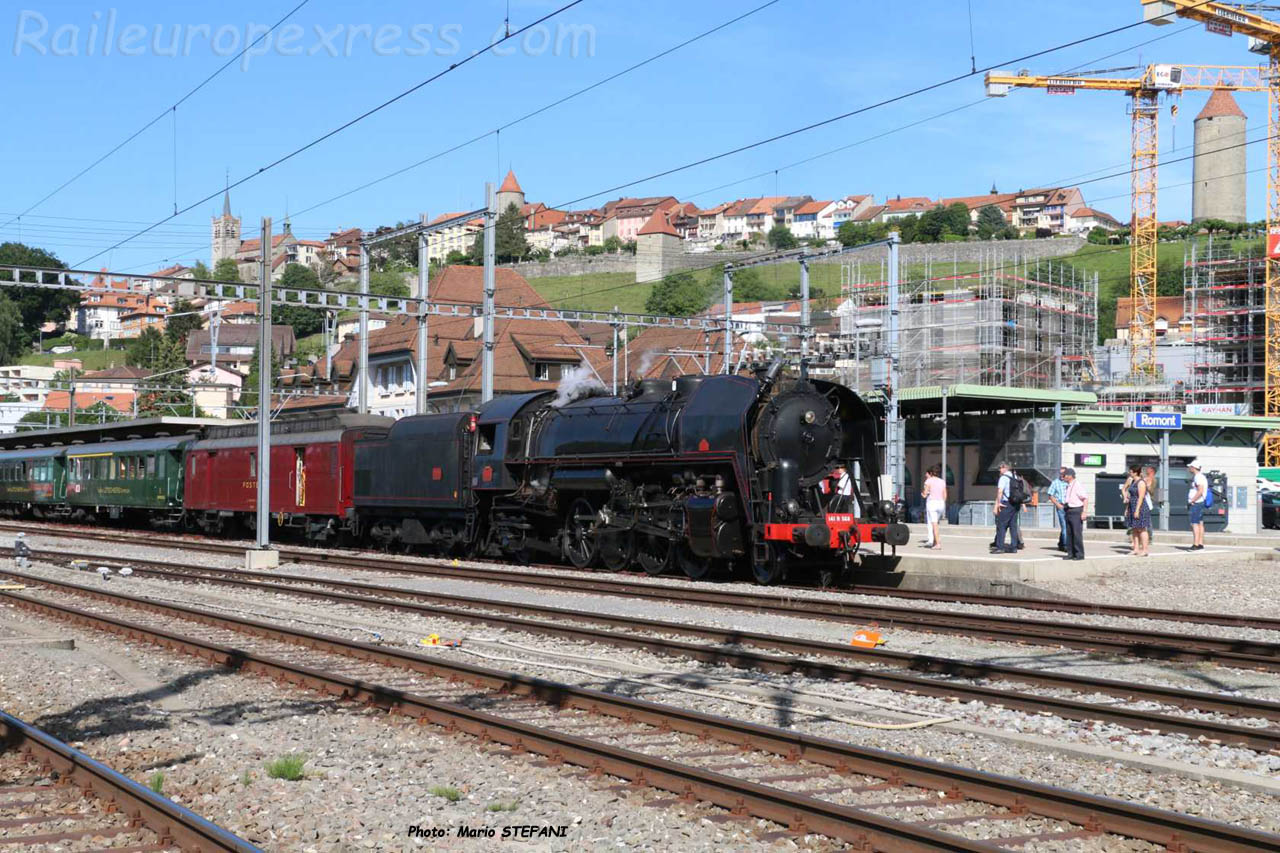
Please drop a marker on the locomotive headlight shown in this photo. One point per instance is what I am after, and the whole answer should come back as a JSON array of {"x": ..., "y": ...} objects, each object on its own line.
[
  {"x": 793, "y": 507},
  {"x": 810, "y": 416}
]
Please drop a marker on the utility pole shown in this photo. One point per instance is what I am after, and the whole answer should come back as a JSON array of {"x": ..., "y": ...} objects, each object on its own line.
[
  {"x": 420, "y": 395},
  {"x": 490, "y": 238},
  {"x": 893, "y": 444},
  {"x": 804, "y": 309},
  {"x": 328, "y": 345},
  {"x": 728, "y": 318},
  {"x": 214, "y": 322},
  {"x": 362, "y": 390},
  {"x": 615, "y": 353},
  {"x": 265, "y": 375}
]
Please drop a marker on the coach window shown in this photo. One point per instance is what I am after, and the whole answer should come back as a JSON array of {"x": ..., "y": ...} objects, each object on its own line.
[
  {"x": 253, "y": 464},
  {"x": 486, "y": 436},
  {"x": 121, "y": 468},
  {"x": 151, "y": 466}
]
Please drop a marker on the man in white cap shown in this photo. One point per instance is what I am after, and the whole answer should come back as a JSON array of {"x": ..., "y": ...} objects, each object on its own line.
[{"x": 1195, "y": 503}]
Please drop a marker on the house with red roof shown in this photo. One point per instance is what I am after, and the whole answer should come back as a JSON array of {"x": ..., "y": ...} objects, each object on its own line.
[
  {"x": 632, "y": 214},
  {"x": 529, "y": 355},
  {"x": 804, "y": 219}
]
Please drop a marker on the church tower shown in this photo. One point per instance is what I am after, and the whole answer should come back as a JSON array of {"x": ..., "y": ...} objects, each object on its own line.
[{"x": 226, "y": 233}]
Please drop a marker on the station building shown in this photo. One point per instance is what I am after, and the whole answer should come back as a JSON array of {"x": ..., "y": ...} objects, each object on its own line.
[{"x": 1038, "y": 429}]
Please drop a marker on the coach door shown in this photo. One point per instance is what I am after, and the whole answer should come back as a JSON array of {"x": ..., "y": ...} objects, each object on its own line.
[{"x": 300, "y": 475}]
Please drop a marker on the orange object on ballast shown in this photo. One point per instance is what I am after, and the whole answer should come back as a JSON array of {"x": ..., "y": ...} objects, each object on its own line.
[{"x": 867, "y": 639}]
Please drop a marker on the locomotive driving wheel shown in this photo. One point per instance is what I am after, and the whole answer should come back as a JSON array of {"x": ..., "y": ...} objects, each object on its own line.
[
  {"x": 691, "y": 564},
  {"x": 617, "y": 549},
  {"x": 579, "y": 538},
  {"x": 653, "y": 554}
]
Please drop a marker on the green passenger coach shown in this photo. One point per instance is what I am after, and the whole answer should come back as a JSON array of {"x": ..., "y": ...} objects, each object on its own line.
[
  {"x": 139, "y": 477},
  {"x": 33, "y": 481}
]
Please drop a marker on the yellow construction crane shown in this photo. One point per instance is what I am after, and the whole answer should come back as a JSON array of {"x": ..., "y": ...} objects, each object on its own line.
[
  {"x": 1145, "y": 91},
  {"x": 1264, "y": 38}
]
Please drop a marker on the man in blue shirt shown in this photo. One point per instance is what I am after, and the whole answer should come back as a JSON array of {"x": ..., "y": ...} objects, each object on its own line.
[
  {"x": 1004, "y": 513},
  {"x": 1058, "y": 494}
]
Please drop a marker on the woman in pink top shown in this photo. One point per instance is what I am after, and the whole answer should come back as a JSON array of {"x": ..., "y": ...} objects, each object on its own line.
[{"x": 935, "y": 503}]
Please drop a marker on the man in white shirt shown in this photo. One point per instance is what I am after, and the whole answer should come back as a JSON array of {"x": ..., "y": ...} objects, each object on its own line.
[
  {"x": 1005, "y": 543},
  {"x": 1195, "y": 503}
]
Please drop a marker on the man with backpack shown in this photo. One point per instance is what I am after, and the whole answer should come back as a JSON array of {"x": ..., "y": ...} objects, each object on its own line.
[
  {"x": 1011, "y": 493},
  {"x": 1199, "y": 498}
]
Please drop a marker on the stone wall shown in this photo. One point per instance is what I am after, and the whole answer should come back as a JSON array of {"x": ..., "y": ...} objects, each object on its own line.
[
  {"x": 971, "y": 252},
  {"x": 577, "y": 265},
  {"x": 911, "y": 253}
]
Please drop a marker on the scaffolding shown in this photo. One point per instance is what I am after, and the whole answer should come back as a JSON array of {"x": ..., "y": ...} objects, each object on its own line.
[
  {"x": 1224, "y": 293},
  {"x": 1003, "y": 320}
]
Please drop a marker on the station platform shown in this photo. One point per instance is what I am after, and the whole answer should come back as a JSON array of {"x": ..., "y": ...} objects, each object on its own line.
[{"x": 965, "y": 563}]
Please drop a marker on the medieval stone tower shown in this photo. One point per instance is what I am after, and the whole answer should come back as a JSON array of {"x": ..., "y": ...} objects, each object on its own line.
[
  {"x": 225, "y": 233},
  {"x": 1218, "y": 171},
  {"x": 509, "y": 193}
]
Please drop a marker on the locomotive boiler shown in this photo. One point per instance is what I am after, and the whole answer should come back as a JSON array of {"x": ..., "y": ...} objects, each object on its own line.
[{"x": 696, "y": 473}]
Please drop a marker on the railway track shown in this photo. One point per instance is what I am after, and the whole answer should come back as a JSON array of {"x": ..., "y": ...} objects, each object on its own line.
[
  {"x": 53, "y": 796},
  {"x": 1057, "y": 606},
  {"x": 1151, "y": 644},
  {"x": 655, "y": 636},
  {"x": 864, "y": 796}
]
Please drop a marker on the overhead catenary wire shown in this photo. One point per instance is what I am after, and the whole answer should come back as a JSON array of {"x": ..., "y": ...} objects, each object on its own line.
[
  {"x": 540, "y": 110},
  {"x": 673, "y": 170},
  {"x": 167, "y": 110},
  {"x": 342, "y": 127}
]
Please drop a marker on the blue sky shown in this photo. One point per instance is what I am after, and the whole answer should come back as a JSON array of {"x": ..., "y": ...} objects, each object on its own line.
[{"x": 796, "y": 62}]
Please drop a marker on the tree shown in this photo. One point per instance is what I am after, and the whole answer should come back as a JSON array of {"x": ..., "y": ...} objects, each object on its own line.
[
  {"x": 1041, "y": 233},
  {"x": 853, "y": 233},
  {"x": 169, "y": 394},
  {"x": 1099, "y": 235},
  {"x": 679, "y": 295},
  {"x": 612, "y": 244},
  {"x": 1007, "y": 233},
  {"x": 226, "y": 270},
  {"x": 199, "y": 270},
  {"x": 781, "y": 238},
  {"x": 932, "y": 225},
  {"x": 385, "y": 283},
  {"x": 182, "y": 322},
  {"x": 13, "y": 341},
  {"x": 908, "y": 228},
  {"x": 36, "y": 305},
  {"x": 142, "y": 350},
  {"x": 297, "y": 275},
  {"x": 990, "y": 221},
  {"x": 455, "y": 257},
  {"x": 400, "y": 253},
  {"x": 749, "y": 286},
  {"x": 956, "y": 219},
  {"x": 248, "y": 402},
  {"x": 508, "y": 238},
  {"x": 305, "y": 321}
]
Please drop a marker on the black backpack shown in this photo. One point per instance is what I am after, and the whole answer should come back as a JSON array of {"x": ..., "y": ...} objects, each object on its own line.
[{"x": 1017, "y": 490}]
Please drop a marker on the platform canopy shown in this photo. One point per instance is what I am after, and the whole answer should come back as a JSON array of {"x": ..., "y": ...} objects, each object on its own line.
[
  {"x": 974, "y": 399},
  {"x": 109, "y": 431}
]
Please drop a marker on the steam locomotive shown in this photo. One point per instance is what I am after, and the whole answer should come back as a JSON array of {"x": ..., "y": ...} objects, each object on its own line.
[{"x": 700, "y": 474}]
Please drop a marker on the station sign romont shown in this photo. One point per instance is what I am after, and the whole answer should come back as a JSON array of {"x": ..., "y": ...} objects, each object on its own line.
[{"x": 1153, "y": 420}]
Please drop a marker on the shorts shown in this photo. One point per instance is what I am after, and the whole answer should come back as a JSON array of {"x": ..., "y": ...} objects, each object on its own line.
[
  {"x": 935, "y": 511},
  {"x": 1197, "y": 513}
]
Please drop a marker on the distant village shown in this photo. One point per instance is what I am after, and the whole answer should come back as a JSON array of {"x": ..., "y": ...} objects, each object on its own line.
[{"x": 655, "y": 236}]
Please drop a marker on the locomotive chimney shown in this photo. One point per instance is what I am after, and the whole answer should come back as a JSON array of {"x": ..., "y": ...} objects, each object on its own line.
[{"x": 770, "y": 376}]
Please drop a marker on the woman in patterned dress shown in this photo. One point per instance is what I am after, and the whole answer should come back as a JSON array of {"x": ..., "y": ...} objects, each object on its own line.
[{"x": 1139, "y": 517}]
